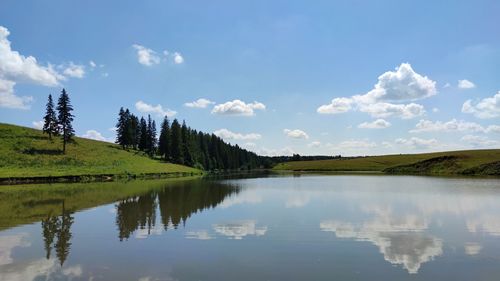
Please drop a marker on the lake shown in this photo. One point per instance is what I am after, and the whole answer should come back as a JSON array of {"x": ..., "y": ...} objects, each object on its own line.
[{"x": 307, "y": 227}]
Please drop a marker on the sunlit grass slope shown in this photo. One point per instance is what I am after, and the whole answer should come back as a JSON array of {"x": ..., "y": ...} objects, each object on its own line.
[
  {"x": 471, "y": 162},
  {"x": 26, "y": 152}
]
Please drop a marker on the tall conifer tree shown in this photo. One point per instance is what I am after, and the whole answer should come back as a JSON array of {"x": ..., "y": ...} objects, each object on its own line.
[
  {"x": 176, "y": 150},
  {"x": 50, "y": 119},
  {"x": 65, "y": 118},
  {"x": 164, "y": 142}
]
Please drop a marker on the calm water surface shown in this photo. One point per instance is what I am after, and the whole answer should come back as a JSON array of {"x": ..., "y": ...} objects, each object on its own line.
[{"x": 269, "y": 228}]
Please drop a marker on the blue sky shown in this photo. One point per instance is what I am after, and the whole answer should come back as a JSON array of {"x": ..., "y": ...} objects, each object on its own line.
[{"x": 277, "y": 77}]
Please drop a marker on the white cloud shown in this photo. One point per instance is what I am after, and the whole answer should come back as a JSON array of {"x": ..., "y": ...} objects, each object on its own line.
[
  {"x": 74, "y": 70},
  {"x": 199, "y": 103},
  {"x": 485, "y": 108},
  {"x": 17, "y": 68},
  {"x": 377, "y": 124},
  {"x": 285, "y": 151},
  {"x": 447, "y": 85},
  {"x": 338, "y": 105},
  {"x": 228, "y": 135},
  {"x": 37, "y": 124},
  {"x": 158, "y": 109},
  {"x": 465, "y": 84},
  {"x": 314, "y": 144},
  {"x": 105, "y": 74},
  {"x": 385, "y": 110},
  {"x": 238, "y": 107},
  {"x": 95, "y": 135},
  {"x": 435, "y": 110},
  {"x": 92, "y": 64},
  {"x": 356, "y": 144},
  {"x": 295, "y": 134},
  {"x": 493, "y": 129},
  {"x": 146, "y": 56},
  {"x": 178, "y": 58},
  {"x": 417, "y": 142},
  {"x": 480, "y": 141},
  {"x": 401, "y": 85},
  {"x": 451, "y": 126}
]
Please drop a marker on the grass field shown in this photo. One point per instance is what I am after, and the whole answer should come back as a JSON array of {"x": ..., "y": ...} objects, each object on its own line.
[
  {"x": 472, "y": 162},
  {"x": 26, "y": 152}
]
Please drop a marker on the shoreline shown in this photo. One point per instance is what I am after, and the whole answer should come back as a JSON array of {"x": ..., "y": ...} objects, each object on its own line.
[{"x": 93, "y": 178}]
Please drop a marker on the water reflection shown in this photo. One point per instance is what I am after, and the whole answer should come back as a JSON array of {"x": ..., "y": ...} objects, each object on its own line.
[
  {"x": 238, "y": 230},
  {"x": 281, "y": 228},
  {"x": 56, "y": 231},
  {"x": 176, "y": 203}
]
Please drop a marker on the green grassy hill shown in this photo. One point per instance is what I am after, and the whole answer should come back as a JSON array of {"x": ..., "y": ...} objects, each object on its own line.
[
  {"x": 468, "y": 162},
  {"x": 26, "y": 152}
]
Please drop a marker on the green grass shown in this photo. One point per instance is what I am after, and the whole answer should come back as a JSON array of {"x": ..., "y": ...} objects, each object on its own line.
[
  {"x": 462, "y": 162},
  {"x": 26, "y": 152}
]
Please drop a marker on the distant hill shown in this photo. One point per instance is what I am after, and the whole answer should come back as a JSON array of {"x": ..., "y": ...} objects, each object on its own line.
[
  {"x": 467, "y": 162},
  {"x": 26, "y": 152}
]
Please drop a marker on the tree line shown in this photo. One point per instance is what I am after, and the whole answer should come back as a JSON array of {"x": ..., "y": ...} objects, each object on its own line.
[
  {"x": 180, "y": 144},
  {"x": 60, "y": 124}
]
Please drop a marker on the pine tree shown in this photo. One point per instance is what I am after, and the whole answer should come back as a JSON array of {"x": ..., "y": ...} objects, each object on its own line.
[
  {"x": 136, "y": 126},
  {"x": 152, "y": 138},
  {"x": 65, "y": 118},
  {"x": 121, "y": 128},
  {"x": 186, "y": 144},
  {"x": 50, "y": 119},
  {"x": 164, "y": 142},
  {"x": 176, "y": 149},
  {"x": 143, "y": 135}
]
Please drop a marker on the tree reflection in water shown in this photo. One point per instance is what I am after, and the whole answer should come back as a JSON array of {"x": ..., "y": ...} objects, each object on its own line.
[
  {"x": 176, "y": 203},
  {"x": 58, "y": 227}
]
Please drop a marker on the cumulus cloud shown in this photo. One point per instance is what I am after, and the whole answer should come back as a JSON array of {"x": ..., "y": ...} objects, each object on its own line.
[
  {"x": 465, "y": 84},
  {"x": 385, "y": 110},
  {"x": 228, "y": 135},
  {"x": 37, "y": 124},
  {"x": 356, "y": 144},
  {"x": 178, "y": 58},
  {"x": 238, "y": 107},
  {"x": 417, "y": 142},
  {"x": 95, "y": 135},
  {"x": 146, "y": 56},
  {"x": 338, "y": 105},
  {"x": 295, "y": 134},
  {"x": 157, "y": 109},
  {"x": 480, "y": 141},
  {"x": 384, "y": 100},
  {"x": 16, "y": 68},
  {"x": 453, "y": 125},
  {"x": 485, "y": 108},
  {"x": 377, "y": 124},
  {"x": 199, "y": 103},
  {"x": 74, "y": 70}
]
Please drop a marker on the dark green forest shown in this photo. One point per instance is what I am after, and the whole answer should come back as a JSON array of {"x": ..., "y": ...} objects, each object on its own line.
[{"x": 180, "y": 144}]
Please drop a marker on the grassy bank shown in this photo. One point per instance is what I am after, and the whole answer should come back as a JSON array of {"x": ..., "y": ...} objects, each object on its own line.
[
  {"x": 469, "y": 162},
  {"x": 28, "y": 153}
]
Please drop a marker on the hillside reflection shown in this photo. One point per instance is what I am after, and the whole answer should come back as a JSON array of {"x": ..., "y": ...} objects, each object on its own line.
[{"x": 175, "y": 204}]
